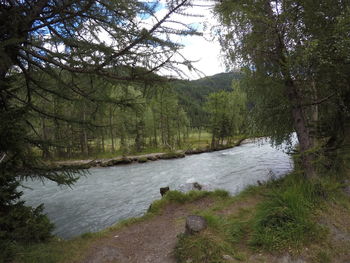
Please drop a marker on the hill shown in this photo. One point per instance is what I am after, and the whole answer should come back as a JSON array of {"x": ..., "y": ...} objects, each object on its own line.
[{"x": 192, "y": 93}]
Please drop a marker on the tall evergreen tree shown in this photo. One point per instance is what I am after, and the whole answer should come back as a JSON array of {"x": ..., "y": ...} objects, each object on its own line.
[{"x": 67, "y": 42}]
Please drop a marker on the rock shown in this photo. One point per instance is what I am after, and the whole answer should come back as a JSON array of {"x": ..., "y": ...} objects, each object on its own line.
[
  {"x": 197, "y": 186},
  {"x": 228, "y": 258},
  {"x": 196, "y": 151},
  {"x": 195, "y": 224},
  {"x": 194, "y": 186},
  {"x": 124, "y": 160},
  {"x": 106, "y": 164},
  {"x": 163, "y": 190},
  {"x": 152, "y": 158},
  {"x": 172, "y": 155},
  {"x": 142, "y": 159}
]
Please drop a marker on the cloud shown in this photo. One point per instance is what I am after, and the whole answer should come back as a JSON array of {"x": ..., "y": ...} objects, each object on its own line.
[
  {"x": 206, "y": 49},
  {"x": 203, "y": 49}
]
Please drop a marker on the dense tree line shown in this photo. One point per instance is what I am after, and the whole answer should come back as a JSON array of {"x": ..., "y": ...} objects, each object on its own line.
[
  {"x": 124, "y": 118},
  {"x": 127, "y": 118}
]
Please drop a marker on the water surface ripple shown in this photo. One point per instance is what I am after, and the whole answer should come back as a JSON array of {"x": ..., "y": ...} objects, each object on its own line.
[{"x": 108, "y": 195}]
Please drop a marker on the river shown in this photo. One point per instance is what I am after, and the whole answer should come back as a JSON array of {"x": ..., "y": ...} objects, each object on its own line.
[{"x": 108, "y": 195}]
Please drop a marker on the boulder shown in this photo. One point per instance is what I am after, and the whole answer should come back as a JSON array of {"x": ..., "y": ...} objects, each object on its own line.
[
  {"x": 152, "y": 157},
  {"x": 142, "y": 159},
  {"x": 195, "y": 151},
  {"x": 124, "y": 160},
  {"x": 106, "y": 164},
  {"x": 189, "y": 186},
  {"x": 197, "y": 186},
  {"x": 195, "y": 224},
  {"x": 172, "y": 155},
  {"x": 163, "y": 190}
]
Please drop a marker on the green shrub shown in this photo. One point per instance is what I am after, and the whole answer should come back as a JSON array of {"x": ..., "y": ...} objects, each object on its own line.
[{"x": 18, "y": 223}]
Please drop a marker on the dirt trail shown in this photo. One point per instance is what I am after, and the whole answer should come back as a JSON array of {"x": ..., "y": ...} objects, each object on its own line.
[{"x": 150, "y": 241}]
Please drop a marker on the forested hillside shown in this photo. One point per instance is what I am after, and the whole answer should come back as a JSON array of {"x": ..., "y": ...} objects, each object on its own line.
[{"x": 192, "y": 94}]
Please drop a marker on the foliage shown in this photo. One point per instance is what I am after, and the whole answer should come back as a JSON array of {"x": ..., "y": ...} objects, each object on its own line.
[
  {"x": 227, "y": 111},
  {"x": 201, "y": 249},
  {"x": 192, "y": 94},
  {"x": 295, "y": 77},
  {"x": 285, "y": 218},
  {"x": 59, "y": 62},
  {"x": 19, "y": 223}
]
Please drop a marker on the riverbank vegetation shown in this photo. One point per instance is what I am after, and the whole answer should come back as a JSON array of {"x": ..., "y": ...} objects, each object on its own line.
[{"x": 282, "y": 219}]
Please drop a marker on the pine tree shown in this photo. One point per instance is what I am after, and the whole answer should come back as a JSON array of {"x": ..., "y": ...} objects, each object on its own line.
[{"x": 67, "y": 43}]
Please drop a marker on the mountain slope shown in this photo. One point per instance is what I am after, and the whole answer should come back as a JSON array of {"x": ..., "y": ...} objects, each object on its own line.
[{"x": 192, "y": 93}]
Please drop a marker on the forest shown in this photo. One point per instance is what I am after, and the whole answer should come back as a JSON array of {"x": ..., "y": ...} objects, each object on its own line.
[
  {"x": 124, "y": 118},
  {"x": 98, "y": 79}
]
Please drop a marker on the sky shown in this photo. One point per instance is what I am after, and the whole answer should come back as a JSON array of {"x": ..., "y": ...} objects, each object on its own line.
[{"x": 205, "y": 50}]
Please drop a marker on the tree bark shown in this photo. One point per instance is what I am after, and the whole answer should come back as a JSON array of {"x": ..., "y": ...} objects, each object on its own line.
[{"x": 301, "y": 128}]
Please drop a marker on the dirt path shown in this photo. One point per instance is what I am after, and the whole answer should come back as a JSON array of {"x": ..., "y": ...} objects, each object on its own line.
[{"x": 150, "y": 241}]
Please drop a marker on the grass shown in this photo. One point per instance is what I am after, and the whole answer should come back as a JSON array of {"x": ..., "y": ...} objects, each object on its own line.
[
  {"x": 182, "y": 198},
  {"x": 285, "y": 219},
  {"x": 204, "y": 248}
]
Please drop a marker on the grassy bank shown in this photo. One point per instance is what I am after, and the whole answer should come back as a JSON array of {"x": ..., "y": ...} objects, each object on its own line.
[
  {"x": 281, "y": 220},
  {"x": 293, "y": 219},
  {"x": 194, "y": 141},
  {"x": 58, "y": 250}
]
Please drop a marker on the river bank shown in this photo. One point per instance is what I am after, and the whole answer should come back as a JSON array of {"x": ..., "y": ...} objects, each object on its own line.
[
  {"x": 142, "y": 158},
  {"x": 235, "y": 231},
  {"x": 105, "y": 196}
]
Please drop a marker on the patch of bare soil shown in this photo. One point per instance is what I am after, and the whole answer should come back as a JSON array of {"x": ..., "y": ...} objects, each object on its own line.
[{"x": 150, "y": 241}]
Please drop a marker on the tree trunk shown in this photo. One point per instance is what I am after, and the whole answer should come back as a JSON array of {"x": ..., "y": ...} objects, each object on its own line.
[
  {"x": 301, "y": 128},
  {"x": 111, "y": 128},
  {"x": 103, "y": 141},
  {"x": 155, "y": 141},
  {"x": 46, "y": 152}
]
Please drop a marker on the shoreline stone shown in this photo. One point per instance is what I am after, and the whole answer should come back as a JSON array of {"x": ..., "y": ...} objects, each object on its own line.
[
  {"x": 195, "y": 224},
  {"x": 86, "y": 164}
]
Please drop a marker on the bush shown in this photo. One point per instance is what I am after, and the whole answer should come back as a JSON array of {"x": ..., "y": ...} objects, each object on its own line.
[{"x": 18, "y": 223}]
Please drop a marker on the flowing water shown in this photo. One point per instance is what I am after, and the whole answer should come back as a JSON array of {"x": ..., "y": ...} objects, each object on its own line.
[{"x": 108, "y": 195}]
